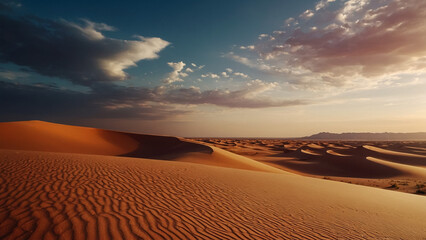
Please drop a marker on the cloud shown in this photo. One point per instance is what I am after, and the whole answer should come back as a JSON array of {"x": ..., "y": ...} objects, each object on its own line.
[
  {"x": 246, "y": 97},
  {"x": 12, "y": 75},
  {"x": 257, "y": 64},
  {"x": 307, "y": 14},
  {"x": 225, "y": 74},
  {"x": 177, "y": 74},
  {"x": 229, "y": 70},
  {"x": 9, "y": 5},
  {"x": 197, "y": 66},
  {"x": 210, "y": 75},
  {"x": 322, "y": 4},
  {"x": 251, "y": 47},
  {"x": 46, "y": 102},
  {"x": 241, "y": 74},
  {"x": 80, "y": 53},
  {"x": 106, "y": 100},
  {"x": 346, "y": 42}
]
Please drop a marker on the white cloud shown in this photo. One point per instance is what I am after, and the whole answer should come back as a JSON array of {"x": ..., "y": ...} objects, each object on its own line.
[
  {"x": 241, "y": 74},
  {"x": 177, "y": 74},
  {"x": 250, "y": 47},
  {"x": 189, "y": 70},
  {"x": 263, "y": 35},
  {"x": 229, "y": 70},
  {"x": 322, "y": 4},
  {"x": 210, "y": 75},
  {"x": 307, "y": 14}
]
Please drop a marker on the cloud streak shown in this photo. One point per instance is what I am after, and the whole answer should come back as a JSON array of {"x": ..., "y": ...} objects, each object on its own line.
[
  {"x": 245, "y": 97},
  {"x": 39, "y": 101}
]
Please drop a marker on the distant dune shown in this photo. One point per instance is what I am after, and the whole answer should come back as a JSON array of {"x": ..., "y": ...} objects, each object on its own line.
[
  {"x": 67, "y": 182},
  {"x": 418, "y": 136},
  {"x": 399, "y": 166}
]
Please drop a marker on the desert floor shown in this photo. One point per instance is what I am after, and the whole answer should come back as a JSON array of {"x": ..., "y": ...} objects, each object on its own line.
[
  {"x": 399, "y": 166},
  {"x": 66, "y": 182}
]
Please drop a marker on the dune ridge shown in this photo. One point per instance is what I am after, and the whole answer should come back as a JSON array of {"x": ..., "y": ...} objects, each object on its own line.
[
  {"x": 391, "y": 165},
  {"x": 53, "y": 137}
]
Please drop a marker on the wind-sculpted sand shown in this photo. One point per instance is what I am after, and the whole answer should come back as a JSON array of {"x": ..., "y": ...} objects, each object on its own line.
[
  {"x": 397, "y": 166},
  {"x": 184, "y": 191}
]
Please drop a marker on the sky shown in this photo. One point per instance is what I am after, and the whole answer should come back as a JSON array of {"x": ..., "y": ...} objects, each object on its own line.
[{"x": 277, "y": 68}]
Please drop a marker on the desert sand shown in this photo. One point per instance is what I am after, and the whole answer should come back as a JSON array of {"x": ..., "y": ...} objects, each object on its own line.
[
  {"x": 398, "y": 166},
  {"x": 67, "y": 182}
]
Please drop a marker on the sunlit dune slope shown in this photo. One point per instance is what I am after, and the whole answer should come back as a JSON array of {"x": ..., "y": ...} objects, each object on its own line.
[
  {"x": 397, "y": 166},
  {"x": 52, "y": 137},
  {"x": 326, "y": 159},
  {"x": 74, "y": 196}
]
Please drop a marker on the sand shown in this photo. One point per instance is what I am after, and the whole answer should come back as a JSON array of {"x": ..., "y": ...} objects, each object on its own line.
[
  {"x": 398, "y": 166},
  {"x": 184, "y": 191}
]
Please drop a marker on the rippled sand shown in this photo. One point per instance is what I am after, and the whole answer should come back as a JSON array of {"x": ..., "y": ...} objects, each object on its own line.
[
  {"x": 399, "y": 166},
  {"x": 170, "y": 188}
]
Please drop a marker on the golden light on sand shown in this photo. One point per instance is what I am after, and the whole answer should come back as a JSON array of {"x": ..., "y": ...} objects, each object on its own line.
[{"x": 130, "y": 186}]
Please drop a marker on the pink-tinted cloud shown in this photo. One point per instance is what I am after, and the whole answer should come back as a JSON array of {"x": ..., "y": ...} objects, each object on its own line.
[{"x": 341, "y": 41}]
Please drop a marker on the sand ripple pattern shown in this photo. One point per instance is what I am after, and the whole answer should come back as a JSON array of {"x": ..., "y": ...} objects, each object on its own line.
[{"x": 71, "y": 196}]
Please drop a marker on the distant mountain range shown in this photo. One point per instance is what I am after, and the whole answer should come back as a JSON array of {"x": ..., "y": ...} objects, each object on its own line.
[{"x": 387, "y": 136}]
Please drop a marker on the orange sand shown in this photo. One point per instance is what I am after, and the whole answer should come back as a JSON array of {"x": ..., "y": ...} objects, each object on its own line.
[
  {"x": 83, "y": 190},
  {"x": 397, "y": 166}
]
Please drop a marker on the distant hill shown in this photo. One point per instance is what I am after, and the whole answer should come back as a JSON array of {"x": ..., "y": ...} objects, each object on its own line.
[{"x": 368, "y": 136}]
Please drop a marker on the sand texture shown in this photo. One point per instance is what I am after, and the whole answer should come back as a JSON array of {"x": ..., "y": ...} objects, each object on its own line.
[
  {"x": 170, "y": 188},
  {"x": 399, "y": 166}
]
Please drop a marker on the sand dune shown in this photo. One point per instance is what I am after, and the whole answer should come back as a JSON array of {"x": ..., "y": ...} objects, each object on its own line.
[
  {"x": 66, "y": 182},
  {"x": 73, "y": 196},
  {"x": 407, "y": 169},
  {"x": 400, "y": 157},
  {"x": 51, "y": 137},
  {"x": 333, "y": 152},
  {"x": 378, "y": 164}
]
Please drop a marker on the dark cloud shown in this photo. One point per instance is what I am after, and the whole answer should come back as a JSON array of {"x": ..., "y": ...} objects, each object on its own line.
[
  {"x": 48, "y": 102},
  {"x": 9, "y": 5},
  {"x": 77, "y": 52}
]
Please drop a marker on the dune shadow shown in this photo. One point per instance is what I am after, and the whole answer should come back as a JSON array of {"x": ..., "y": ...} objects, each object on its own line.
[{"x": 163, "y": 147}]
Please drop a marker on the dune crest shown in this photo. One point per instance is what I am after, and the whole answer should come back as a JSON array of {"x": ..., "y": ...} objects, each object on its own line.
[
  {"x": 52, "y": 137},
  {"x": 390, "y": 165}
]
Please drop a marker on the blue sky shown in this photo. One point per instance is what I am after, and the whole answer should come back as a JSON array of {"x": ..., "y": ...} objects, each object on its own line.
[{"x": 216, "y": 68}]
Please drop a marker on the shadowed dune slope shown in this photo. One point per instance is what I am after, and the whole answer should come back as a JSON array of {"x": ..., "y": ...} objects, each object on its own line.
[
  {"x": 52, "y": 137},
  {"x": 75, "y": 196},
  {"x": 329, "y": 159},
  {"x": 399, "y": 166}
]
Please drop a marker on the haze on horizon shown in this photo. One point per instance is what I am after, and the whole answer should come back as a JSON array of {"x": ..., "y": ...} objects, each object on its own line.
[{"x": 222, "y": 68}]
